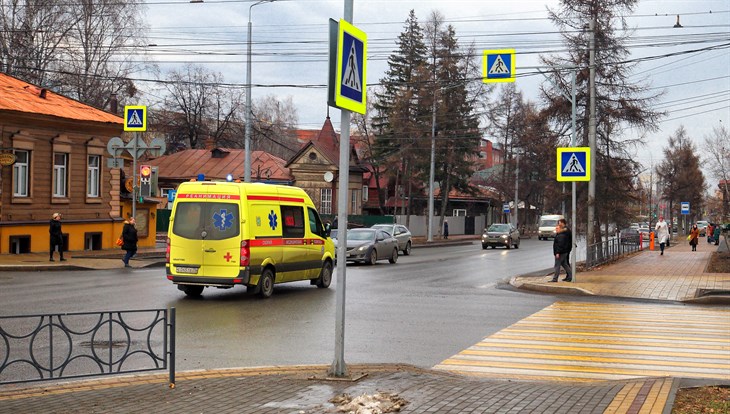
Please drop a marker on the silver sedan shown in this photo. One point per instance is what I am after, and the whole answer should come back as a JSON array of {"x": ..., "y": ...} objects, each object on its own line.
[
  {"x": 401, "y": 233},
  {"x": 370, "y": 245}
]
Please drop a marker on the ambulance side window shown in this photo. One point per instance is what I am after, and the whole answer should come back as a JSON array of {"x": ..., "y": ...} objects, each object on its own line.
[
  {"x": 315, "y": 224},
  {"x": 292, "y": 221}
]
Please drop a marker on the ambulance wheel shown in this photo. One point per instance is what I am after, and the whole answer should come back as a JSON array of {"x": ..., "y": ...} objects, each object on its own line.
[
  {"x": 394, "y": 256},
  {"x": 266, "y": 283},
  {"x": 193, "y": 291},
  {"x": 373, "y": 257},
  {"x": 325, "y": 276}
]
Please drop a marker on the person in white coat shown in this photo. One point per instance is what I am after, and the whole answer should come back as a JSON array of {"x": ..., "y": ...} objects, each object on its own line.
[{"x": 662, "y": 233}]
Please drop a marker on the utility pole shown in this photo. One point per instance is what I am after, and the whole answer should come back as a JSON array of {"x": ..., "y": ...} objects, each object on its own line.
[
  {"x": 592, "y": 130},
  {"x": 517, "y": 184}
]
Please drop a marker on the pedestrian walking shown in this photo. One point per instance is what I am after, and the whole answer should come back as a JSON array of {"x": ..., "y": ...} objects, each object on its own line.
[
  {"x": 56, "y": 236},
  {"x": 562, "y": 245},
  {"x": 716, "y": 234},
  {"x": 662, "y": 233},
  {"x": 446, "y": 229},
  {"x": 708, "y": 232},
  {"x": 129, "y": 237},
  {"x": 694, "y": 235}
]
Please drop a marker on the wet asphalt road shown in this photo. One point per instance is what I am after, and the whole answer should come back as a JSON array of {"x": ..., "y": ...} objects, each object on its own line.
[{"x": 425, "y": 308}]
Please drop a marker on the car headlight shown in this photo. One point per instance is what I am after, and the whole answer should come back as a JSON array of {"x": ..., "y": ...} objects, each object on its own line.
[
  {"x": 504, "y": 236},
  {"x": 362, "y": 248}
]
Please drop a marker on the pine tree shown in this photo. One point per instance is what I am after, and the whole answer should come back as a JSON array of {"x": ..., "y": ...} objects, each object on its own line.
[{"x": 400, "y": 120}]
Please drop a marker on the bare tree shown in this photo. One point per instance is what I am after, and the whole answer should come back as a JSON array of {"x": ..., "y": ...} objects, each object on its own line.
[
  {"x": 273, "y": 121},
  {"x": 32, "y": 33},
  {"x": 198, "y": 107},
  {"x": 98, "y": 55},
  {"x": 717, "y": 161}
]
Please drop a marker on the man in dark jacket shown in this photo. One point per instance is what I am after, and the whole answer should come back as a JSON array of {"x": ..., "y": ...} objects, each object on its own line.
[
  {"x": 562, "y": 246},
  {"x": 56, "y": 235}
]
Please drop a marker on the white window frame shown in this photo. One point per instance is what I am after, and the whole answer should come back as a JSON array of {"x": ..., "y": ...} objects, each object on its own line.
[
  {"x": 353, "y": 202},
  {"x": 21, "y": 175},
  {"x": 60, "y": 175},
  {"x": 459, "y": 212},
  {"x": 93, "y": 176},
  {"x": 326, "y": 201}
]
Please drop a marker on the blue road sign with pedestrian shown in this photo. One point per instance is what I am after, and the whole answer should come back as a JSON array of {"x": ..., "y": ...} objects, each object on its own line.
[
  {"x": 498, "y": 66},
  {"x": 135, "y": 118},
  {"x": 574, "y": 164},
  {"x": 351, "y": 71},
  {"x": 685, "y": 207}
]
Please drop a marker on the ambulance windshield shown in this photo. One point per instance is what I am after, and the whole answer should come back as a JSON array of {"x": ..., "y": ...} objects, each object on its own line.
[{"x": 205, "y": 220}]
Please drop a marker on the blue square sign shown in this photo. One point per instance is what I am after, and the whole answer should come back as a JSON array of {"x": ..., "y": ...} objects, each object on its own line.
[
  {"x": 574, "y": 164},
  {"x": 685, "y": 207}
]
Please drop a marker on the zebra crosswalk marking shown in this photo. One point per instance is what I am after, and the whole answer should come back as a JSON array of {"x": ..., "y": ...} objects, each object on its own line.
[{"x": 590, "y": 342}]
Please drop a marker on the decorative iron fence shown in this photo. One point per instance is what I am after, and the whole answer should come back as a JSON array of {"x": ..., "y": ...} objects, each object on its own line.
[
  {"x": 610, "y": 250},
  {"x": 74, "y": 345}
]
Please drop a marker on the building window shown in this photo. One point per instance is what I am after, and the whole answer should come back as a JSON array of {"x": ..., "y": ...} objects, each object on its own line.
[
  {"x": 353, "y": 202},
  {"x": 21, "y": 174},
  {"x": 459, "y": 212},
  {"x": 326, "y": 204},
  {"x": 93, "y": 176},
  {"x": 60, "y": 179},
  {"x": 365, "y": 193}
]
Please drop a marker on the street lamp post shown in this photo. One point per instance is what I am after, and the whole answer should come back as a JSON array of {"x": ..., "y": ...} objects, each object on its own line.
[{"x": 247, "y": 137}]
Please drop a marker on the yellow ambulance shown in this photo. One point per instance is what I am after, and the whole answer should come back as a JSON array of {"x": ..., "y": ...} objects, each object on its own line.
[{"x": 224, "y": 234}]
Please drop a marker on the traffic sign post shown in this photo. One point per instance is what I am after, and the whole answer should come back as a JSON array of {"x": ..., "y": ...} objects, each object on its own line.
[
  {"x": 574, "y": 164},
  {"x": 348, "y": 67},
  {"x": 498, "y": 66},
  {"x": 505, "y": 208}
]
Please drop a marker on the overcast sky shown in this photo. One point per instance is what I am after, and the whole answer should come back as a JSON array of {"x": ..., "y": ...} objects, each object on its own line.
[{"x": 290, "y": 48}]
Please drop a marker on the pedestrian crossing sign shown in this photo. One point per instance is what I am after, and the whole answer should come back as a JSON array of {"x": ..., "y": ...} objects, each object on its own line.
[
  {"x": 135, "y": 118},
  {"x": 498, "y": 66},
  {"x": 574, "y": 164},
  {"x": 351, "y": 68}
]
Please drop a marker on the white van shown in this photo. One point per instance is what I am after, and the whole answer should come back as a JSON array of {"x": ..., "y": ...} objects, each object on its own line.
[{"x": 546, "y": 228}]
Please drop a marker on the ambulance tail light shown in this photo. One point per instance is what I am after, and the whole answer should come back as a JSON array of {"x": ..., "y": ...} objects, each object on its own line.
[
  {"x": 245, "y": 253},
  {"x": 167, "y": 251}
]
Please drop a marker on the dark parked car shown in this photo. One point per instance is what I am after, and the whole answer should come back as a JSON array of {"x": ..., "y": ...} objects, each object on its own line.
[
  {"x": 501, "y": 235},
  {"x": 401, "y": 233},
  {"x": 370, "y": 245},
  {"x": 629, "y": 236}
]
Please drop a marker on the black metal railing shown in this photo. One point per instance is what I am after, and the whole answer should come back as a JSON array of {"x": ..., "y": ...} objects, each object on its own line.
[
  {"x": 84, "y": 344},
  {"x": 610, "y": 250}
]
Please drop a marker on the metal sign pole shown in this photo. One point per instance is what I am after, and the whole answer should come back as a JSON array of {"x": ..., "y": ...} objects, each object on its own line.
[
  {"x": 573, "y": 201},
  {"x": 135, "y": 188},
  {"x": 338, "y": 368}
]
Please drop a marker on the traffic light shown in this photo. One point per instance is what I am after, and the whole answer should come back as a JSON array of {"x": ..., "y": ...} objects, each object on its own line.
[{"x": 145, "y": 173}]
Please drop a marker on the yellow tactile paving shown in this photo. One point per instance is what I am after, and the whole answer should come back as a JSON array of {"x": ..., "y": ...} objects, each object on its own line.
[{"x": 624, "y": 341}]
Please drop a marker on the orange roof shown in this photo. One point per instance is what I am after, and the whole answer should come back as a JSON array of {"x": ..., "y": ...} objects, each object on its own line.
[
  {"x": 19, "y": 96},
  {"x": 217, "y": 163}
]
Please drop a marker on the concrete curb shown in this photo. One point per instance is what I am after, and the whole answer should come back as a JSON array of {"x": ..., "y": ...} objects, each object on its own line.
[{"x": 550, "y": 288}]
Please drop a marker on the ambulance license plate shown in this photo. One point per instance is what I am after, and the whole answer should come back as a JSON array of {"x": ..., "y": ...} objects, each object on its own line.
[{"x": 186, "y": 269}]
